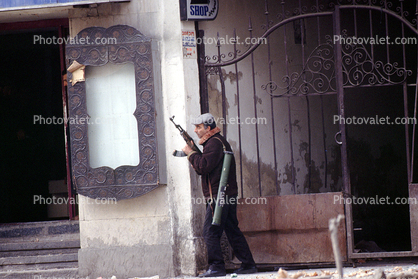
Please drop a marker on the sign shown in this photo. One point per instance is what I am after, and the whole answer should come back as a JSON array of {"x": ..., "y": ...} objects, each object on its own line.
[
  {"x": 199, "y": 9},
  {"x": 11, "y": 5},
  {"x": 189, "y": 44}
]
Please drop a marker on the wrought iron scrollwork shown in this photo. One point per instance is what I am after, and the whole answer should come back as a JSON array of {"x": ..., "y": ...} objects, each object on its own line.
[
  {"x": 360, "y": 69},
  {"x": 318, "y": 74}
]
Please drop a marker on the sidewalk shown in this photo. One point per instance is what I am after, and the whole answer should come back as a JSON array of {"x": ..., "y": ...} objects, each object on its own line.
[{"x": 395, "y": 269}]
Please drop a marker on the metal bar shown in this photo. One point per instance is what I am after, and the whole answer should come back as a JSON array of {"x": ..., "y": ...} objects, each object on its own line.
[
  {"x": 405, "y": 96},
  {"x": 221, "y": 80},
  {"x": 255, "y": 114},
  {"x": 203, "y": 82},
  {"x": 276, "y": 182},
  {"x": 408, "y": 155},
  {"x": 411, "y": 177},
  {"x": 387, "y": 31},
  {"x": 383, "y": 255},
  {"x": 344, "y": 158},
  {"x": 292, "y": 163},
  {"x": 239, "y": 117},
  {"x": 324, "y": 139},
  {"x": 308, "y": 115},
  {"x": 310, "y": 94},
  {"x": 318, "y": 30},
  {"x": 301, "y": 21},
  {"x": 324, "y": 135},
  {"x": 371, "y": 29},
  {"x": 356, "y": 35}
]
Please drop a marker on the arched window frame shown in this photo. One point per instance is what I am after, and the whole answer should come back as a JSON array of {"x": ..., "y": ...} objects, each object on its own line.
[{"x": 97, "y": 46}]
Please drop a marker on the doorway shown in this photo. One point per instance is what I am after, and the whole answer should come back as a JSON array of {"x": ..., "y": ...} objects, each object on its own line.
[
  {"x": 378, "y": 169},
  {"x": 32, "y": 135}
]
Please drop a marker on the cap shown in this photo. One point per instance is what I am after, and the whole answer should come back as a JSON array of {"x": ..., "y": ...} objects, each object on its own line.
[{"x": 205, "y": 118}]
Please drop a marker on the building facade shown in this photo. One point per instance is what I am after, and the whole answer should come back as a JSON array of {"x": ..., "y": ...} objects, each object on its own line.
[{"x": 285, "y": 80}]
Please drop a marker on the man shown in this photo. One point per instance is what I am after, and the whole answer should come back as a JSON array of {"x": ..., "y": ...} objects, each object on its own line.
[{"x": 209, "y": 166}]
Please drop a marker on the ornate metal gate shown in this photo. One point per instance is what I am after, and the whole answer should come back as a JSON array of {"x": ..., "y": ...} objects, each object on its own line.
[{"x": 298, "y": 93}]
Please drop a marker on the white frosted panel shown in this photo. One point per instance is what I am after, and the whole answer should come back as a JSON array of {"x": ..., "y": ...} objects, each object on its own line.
[{"x": 111, "y": 102}]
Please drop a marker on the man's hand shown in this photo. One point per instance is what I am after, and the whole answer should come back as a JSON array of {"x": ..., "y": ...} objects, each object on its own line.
[{"x": 187, "y": 149}]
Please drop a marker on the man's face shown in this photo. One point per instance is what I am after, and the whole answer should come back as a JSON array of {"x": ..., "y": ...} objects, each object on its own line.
[{"x": 200, "y": 130}]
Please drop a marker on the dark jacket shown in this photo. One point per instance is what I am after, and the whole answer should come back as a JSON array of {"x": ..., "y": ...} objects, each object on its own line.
[{"x": 209, "y": 164}]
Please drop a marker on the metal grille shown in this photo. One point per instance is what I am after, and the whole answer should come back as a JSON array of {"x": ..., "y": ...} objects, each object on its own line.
[{"x": 297, "y": 65}]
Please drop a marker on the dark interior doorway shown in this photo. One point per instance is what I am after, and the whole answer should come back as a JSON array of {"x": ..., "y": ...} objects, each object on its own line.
[
  {"x": 378, "y": 169},
  {"x": 32, "y": 151}
]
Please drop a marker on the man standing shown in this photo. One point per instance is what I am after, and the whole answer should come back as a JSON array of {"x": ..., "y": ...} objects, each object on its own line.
[{"x": 209, "y": 166}]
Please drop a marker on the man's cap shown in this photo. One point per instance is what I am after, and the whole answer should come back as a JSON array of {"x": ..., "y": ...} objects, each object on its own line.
[{"x": 205, "y": 118}]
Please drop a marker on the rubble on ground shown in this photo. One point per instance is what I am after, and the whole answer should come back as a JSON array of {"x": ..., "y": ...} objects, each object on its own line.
[{"x": 396, "y": 272}]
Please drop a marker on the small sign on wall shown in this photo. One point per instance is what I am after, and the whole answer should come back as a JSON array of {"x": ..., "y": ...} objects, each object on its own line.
[
  {"x": 189, "y": 44},
  {"x": 199, "y": 9}
]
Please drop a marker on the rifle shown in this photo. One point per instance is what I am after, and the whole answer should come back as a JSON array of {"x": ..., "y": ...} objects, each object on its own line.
[{"x": 188, "y": 139}]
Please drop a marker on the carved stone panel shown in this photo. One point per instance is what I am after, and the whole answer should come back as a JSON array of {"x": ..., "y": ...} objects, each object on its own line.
[{"x": 96, "y": 46}]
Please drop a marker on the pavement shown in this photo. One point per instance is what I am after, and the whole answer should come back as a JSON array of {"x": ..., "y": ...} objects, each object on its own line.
[{"x": 399, "y": 269}]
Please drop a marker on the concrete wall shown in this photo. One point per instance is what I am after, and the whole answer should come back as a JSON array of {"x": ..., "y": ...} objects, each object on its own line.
[
  {"x": 293, "y": 228},
  {"x": 158, "y": 233}
]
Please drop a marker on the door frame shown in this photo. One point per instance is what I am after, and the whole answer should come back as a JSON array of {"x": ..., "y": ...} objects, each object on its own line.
[{"x": 62, "y": 26}]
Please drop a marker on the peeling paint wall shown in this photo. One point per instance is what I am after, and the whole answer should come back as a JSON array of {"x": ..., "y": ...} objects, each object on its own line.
[{"x": 304, "y": 144}]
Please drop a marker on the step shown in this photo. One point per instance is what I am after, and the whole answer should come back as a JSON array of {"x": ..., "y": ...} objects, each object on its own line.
[
  {"x": 39, "y": 250},
  {"x": 42, "y": 259},
  {"x": 41, "y": 274},
  {"x": 37, "y": 263},
  {"x": 15, "y": 249},
  {"x": 34, "y": 231}
]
